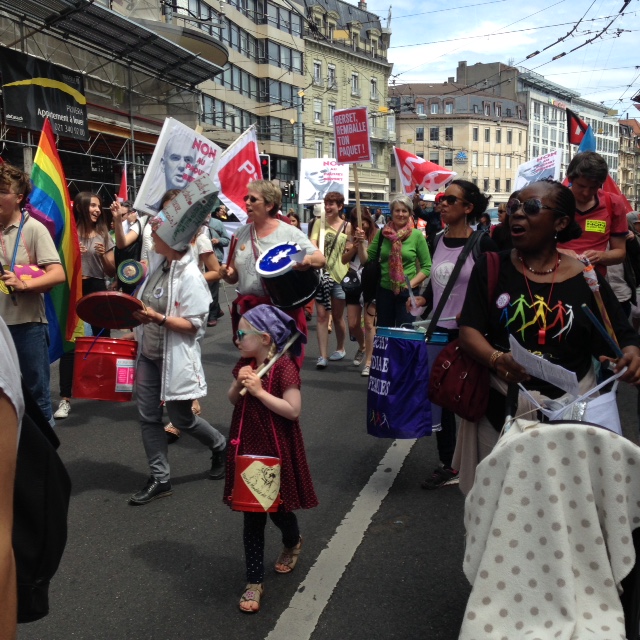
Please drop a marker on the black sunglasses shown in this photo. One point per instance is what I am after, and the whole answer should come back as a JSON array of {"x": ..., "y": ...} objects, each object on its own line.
[
  {"x": 531, "y": 207},
  {"x": 451, "y": 200},
  {"x": 251, "y": 199}
]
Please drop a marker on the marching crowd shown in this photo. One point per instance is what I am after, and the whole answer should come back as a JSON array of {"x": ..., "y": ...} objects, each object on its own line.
[{"x": 421, "y": 261}]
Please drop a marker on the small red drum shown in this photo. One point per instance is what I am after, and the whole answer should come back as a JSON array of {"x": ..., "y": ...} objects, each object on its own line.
[
  {"x": 104, "y": 369},
  {"x": 287, "y": 287},
  {"x": 109, "y": 309},
  {"x": 256, "y": 484}
]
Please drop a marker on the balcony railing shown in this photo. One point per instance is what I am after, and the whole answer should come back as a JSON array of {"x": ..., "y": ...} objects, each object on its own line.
[{"x": 355, "y": 92}]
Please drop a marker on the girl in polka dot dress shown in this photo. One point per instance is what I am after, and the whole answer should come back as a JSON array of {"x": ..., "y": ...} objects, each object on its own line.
[{"x": 271, "y": 405}]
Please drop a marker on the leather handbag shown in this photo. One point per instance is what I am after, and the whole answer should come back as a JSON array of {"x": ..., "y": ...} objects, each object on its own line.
[
  {"x": 371, "y": 274},
  {"x": 459, "y": 383}
]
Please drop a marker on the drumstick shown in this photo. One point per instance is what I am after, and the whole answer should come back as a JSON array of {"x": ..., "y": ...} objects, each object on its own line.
[
  {"x": 264, "y": 368},
  {"x": 232, "y": 249}
]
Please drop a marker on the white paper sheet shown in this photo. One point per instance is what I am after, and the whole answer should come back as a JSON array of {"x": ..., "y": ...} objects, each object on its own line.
[{"x": 543, "y": 369}]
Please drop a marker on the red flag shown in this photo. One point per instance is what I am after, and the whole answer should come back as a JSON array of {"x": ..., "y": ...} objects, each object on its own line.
[
  {"x": 417, "y": 172},
  {"x": 576, "y": 128},
  {"x": 239, "y": 164},
  {"x": 122, "y": 192}
]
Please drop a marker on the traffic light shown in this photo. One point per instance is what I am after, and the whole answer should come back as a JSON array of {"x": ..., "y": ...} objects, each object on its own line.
[
  {"x": 265, "y": 165},
  {"x": 286, "y": 190}
]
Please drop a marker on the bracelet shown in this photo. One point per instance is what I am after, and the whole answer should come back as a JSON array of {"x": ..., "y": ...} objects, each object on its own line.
[
  {"x": 164, "y": 319},
  {"x": 495, "y": 356}
]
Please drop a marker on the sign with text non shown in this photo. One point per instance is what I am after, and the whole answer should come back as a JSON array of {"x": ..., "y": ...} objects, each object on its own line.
[{"x": 351, "y": 129}]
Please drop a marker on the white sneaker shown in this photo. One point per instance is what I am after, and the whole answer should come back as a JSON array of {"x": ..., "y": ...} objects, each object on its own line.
[{"x": 63, "y": 410}]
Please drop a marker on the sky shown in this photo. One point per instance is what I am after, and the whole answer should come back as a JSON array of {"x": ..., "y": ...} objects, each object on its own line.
[{"x": 429, "y": 39}]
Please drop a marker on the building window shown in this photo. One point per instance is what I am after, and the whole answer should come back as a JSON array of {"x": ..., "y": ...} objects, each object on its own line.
[
  {"x": 434, "y": 156},
  {"x": 318, "y": 148},
  {"x": 487, "y": 109},
  {"x": 355, "y": 85},
  {"x": 374, "y": 157},
  {"x": 535, "y": 151},
  {"x": 509, "y": 136},
  {"x": 497, "y": 164},
  {"x": 448, "y": 108},
  {"x": 508, "y": 185},
  {"x": 331, "y": 79},
  {"x": 393, "y": 184},
  {"x": 434, "y": 108},
  {"x": 448, "y": 158},
  {"x": 475, "y": 134},
  {"x": 497, "y": 185},
  {"x": 487, "y": 135},
  {"x": 536, "y": 133},
  {"x": 476, "y": 108},
  {"x": 498, "y": 136},
  {"x": 419, "y": 154},
  {"x": 434, "y": 134},
  {"x": 519, "y": 138},
  {"x": 420, "y": 108},
  {"x": 475, "y": 181},
  {"x": 317, "y": 110},
  {"x": 448, "y": 133},
  {"x": 498, "y": 111},
  {"x": 485, "y": 185},
  {"x": 419, "y": 134},
  {"x": 474, "y": 159},
  {"x": 332, "y": 149},
  {"x": 332, "y": 110},
  {"x": 374, "y": 89},
  {"x": 393, "y": 162},
  {"x": 485, "y": 159},
  {"x": 317, "y": 73},
  {"x": 508, "y": 162},
  {"x": 356, "y": 41}
]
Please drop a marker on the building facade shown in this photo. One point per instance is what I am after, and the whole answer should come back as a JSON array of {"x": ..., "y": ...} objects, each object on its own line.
[
  {"x": 629, "y": 169},
  {"x": 482, "y": 137},
  {"x": 346, "y": 64},
  {"x": 546, "y": 103}
]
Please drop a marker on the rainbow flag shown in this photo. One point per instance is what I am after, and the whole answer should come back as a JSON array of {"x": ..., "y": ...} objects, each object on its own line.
[{"x": 50, "y": 204}]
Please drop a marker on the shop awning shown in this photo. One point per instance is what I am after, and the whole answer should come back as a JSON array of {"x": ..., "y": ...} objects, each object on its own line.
[{"x": 92, "y": 27}]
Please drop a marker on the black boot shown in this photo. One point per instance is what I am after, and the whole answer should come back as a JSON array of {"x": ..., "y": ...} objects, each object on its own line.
[
  {"x": 152, "y": 490},
  {"x": 218, "y": 460}
]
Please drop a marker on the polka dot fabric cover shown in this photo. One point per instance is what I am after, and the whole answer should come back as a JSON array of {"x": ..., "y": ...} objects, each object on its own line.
[{"x": 549, "y": 534}]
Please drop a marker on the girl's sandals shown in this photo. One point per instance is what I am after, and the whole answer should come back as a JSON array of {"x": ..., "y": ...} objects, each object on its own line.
[
  {"x": 288, "y": 559},
  {"x": 252, "y": 594},
  {"x": 173, "y": 433}
]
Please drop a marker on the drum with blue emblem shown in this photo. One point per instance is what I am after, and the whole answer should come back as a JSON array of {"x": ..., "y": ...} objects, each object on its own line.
[{"x": 287, "y": 287}]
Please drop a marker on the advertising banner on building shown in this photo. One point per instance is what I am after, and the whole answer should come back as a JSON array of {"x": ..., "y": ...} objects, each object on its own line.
[
  {"x": 319, "y": 176},
  {"x": 33, "y": 90},
  {"x": 180, "y": 157},
  {"x": 540, "y": 168},
  {"x": 351, "y": 129}
]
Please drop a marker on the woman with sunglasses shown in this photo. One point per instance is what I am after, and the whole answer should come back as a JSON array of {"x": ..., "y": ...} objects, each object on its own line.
[
  {"x": 262, "y": 232},
  {"x": 403, "y": 254},
  {"x": 459, "y": 205},
  {"x": 537, "y": 302}
]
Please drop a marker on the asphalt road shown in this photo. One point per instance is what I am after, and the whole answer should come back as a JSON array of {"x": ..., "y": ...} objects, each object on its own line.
[{"x": 174, "y": 569}]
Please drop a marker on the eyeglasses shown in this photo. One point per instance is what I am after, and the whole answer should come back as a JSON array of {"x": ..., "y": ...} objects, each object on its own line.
[
  {"x": 531, "y": 207},
  {"x": 251, "y": 199},
  {"x": 240, "y": 334},
  {"x": 451, "y": 200}
]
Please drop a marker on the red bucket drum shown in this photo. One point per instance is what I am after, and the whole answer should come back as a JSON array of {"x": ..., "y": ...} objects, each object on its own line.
[
  {"x": 256, "y": 485},
  {"x": 104, "y": 369}
]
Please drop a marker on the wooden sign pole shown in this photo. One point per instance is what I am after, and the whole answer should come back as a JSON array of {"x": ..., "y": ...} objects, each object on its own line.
[{"x": 356, "y": 185}]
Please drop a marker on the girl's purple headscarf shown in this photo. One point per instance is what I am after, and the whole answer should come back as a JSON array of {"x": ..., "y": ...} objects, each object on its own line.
[{"x": 277, "y": 324}]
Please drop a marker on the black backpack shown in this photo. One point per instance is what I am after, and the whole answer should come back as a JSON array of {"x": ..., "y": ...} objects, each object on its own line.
[{"x": 40, "y": 508}]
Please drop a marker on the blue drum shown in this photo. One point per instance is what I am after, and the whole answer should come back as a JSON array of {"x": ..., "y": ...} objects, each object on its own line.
[
  {"x": 397, "y": 402},
  {"x": 287, "y": 287}
]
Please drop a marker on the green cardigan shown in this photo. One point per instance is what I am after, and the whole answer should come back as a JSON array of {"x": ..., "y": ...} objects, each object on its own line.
[{"x": 414, "y": 250}]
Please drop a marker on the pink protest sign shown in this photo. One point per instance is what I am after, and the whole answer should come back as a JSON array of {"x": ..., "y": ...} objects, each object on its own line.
[{"x": 351, "y": 129}]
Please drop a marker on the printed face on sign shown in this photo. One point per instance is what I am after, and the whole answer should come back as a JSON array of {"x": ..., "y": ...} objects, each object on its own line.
[
  {"x": 178, "y": 155},
  {"x": 318, "y": 177}
]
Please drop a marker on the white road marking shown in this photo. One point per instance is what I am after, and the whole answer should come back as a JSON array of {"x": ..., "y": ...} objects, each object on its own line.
[{"x": 301, "y": 617}]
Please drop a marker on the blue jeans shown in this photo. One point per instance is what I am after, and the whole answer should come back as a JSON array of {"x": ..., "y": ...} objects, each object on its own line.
[
  {"x": 32, "y": 344},
  {"x": 154, "y": 438},
  {"x": 391, "y": 309}
]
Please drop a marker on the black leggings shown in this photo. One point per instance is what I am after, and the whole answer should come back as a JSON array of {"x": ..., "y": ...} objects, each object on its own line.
[
  {"x": 253, "y": 537},
  {"x": 89, "y": 285}
]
